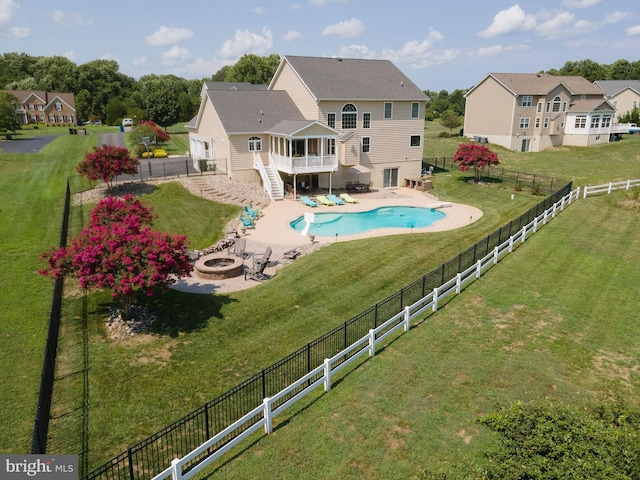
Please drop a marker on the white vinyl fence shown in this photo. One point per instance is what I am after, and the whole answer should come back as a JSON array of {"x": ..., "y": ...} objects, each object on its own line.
[
  {"x": 609, "y": 187},
  {"x": 263, "y": 415}
]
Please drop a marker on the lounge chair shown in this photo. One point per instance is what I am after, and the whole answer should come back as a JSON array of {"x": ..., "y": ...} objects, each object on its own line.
[
  {"x": 336, "y": 200},
  {"x": 247, "y": 221},
  {"x": 348, "y": 198},
  {"x": 251, "y": 212},
  {"x": 308, "y": 202},
  {"x": 324, "y": 200},
  {"x": 260, "y": 262},
  {"x": 239, "y": 247}
]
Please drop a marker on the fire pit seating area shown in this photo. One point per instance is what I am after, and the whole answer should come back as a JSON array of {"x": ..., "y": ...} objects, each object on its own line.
[{"x": 218, "y": 266}]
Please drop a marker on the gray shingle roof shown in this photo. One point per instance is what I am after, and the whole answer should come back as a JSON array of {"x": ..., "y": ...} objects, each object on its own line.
[
  {"x": 252, "y": 111},
  {"x": 354, "y": 79},
  {"x": 590, "y": 105},
  {"x": 613, "y": 87},
  {"x": 543, "y": 83},
  {"x": 233, "y": 86}
]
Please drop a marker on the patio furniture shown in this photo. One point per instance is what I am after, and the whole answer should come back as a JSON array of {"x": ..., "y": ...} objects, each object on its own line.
[
  {"x": 308, "y": 202},
  {"x": 324, "y": 200},
  {"x": 260, "y": 262},
  {"x": 348, "y": 198},
  {"x": 336, "y": 200},
  {"x": 250, "y": 212},
  {"x": 247, "y": 222},
  {"x": 358, "y": 187},
  {"x": 239, "y": 248}
]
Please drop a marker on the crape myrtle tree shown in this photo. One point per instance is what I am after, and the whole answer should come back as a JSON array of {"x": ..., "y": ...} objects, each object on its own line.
[
  {"x": 106, "y": 163},
  {"x": 118, "y": 250},
  {"x": 476, "y": 156}
]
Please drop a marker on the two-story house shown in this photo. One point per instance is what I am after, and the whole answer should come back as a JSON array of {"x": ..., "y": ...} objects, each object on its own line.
[
  {"x": 320, "y": 123},
  {"x": 530, "y": 112},
  {"x": 624, "y": 95},
  {"x": 48, "y": 108}
]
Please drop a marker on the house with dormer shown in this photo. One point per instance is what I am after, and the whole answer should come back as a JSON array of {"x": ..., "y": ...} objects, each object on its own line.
[
  {"x": 320, "y": 123},
  {"x": 624, "y": 95},
  {"x": 46, "y": 108},
  {"x": 530, "y": 112}
]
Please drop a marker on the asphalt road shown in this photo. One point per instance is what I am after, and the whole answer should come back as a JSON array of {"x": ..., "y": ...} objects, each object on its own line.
[{"x": 27, "y": 145}]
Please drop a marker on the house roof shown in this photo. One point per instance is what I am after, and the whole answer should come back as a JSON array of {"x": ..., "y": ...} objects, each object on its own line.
[
  {"x": 591, "y": 105},
  {"x": 44, "y": 96},
  {"x": 233, "y": 86},
  {"x": 541, "y": 84},
  {"x": 614, "y": 87},
  {"x": 252, "y": 111},
  {"x": 330, "y": 78}
]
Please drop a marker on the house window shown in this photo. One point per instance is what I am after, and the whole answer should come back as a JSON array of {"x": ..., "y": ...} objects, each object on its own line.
[
  {"x": 255, "y": 144},
  {"x": 548, "y": 107},
  {"x": 390, "y": 177},
  {"x": 595, "y": 121},
  {"x": 69, "y": 120},
  {"x": 415, "y": 140},
  {"x": 40, "y": 107},
  {"x": 564, "y": 106},
  {"x": 388, "y": 110},
  {"x": 366, "y": 144},
  {"x": 331, "y": 146},
  {"x": 537, "y": 122},
  {"x": 539, "y": 107},
  {"x": 60, "y": 119},
  {"x": 58, "y": 106},
  {"x": 331, "y": 120},
  {"x": 366, "y": 120},
  {"x": 606, "y": 121},
  {"x": 557, "y": 101},
  {"x": 635, "y": 104},
  {"x": 31, "y": 106},
  {"x": 349, "y": 116},
  {"x": 415, "y": 110},
  {"x": 527, "y": 101},
  {"x": 524, "y": 122},
  {"x": 615, "y": 104},
  {"x": 581, "y": 121},
  {"x": 52, "y": 118},
  {"x": 545, "y": 124}
]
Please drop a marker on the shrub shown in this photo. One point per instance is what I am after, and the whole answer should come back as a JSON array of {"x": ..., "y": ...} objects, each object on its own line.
[{"x": 444, "y": 135}]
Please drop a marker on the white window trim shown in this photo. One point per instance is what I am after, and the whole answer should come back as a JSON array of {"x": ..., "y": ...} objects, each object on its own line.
[
  {"x": 368, "y": 145},
  {"x": 418, "y": 114},
  {"x": 363, "y": 124},
  {"x": 384, "y": 113}
]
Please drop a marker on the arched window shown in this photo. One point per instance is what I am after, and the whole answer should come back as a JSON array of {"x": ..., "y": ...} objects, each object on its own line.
[
  {"x": 349, "y": 116},
  {"x": 556, "y": 104},
  {"x": 255, "y": 144}
]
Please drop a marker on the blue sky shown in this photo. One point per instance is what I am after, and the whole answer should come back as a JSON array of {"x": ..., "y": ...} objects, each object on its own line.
[{"x": 439, "y": 45}]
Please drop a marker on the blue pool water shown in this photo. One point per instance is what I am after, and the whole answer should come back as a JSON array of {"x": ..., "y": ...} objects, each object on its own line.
[{"x": 349, "y": 223}]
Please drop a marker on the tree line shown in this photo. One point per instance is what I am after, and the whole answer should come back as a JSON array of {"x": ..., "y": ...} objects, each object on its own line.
[{"x": 103, "y": 92}]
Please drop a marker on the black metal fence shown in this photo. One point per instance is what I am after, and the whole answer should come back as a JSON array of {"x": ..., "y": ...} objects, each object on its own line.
[
  {"x": 155, "y": 453},
  {"x": 43, "y": 408},
  {"x": 538, "y": 184}
]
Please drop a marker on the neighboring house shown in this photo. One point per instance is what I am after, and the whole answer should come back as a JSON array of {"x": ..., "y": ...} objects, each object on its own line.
[
  {"x": 322, "y": 122},
  {"x": 48, "y": 108},
  {"x": 624, "y": 95},
  {"x": 531, "y": 112}
]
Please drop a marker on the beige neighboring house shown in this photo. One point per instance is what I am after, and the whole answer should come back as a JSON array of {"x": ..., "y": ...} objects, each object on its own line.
[
  {"x": 531, "y": 112},
  {"x": 321, "y": 123},
  {"x": 624, "y": 95},
  {"x": 47, "y": 108}
]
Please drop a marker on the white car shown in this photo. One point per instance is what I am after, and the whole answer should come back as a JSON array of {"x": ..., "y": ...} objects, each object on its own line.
[{"x": 127, "y": 122}]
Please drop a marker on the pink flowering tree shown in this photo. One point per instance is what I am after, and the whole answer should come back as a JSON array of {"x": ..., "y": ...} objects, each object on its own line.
[
  {"x": 476, "y": 156},
  {"x": 121, "y": 253},
  {"x": 106, "y": 163}
]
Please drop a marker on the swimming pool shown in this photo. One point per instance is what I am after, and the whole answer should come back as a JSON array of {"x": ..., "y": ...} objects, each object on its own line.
[{"x": 349, "y": 223}]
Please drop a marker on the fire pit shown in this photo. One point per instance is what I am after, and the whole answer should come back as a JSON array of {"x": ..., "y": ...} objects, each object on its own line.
[{"x": 218, "y": 267}]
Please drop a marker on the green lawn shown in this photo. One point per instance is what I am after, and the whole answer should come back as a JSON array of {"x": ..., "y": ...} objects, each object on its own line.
[{"x": 204, "y": 345}]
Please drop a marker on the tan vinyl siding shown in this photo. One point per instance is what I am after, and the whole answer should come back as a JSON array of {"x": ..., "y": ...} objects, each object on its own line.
[
  {"x": 625, "y": 101},
  {"x": 289, "y": 81},
  {"x": 242, "y": 158},
  {"x": 489, "y": 111}
]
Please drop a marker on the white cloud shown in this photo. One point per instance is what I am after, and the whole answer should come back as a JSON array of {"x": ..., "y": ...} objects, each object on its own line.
[
  {"x": 291, "y": 35},
  {"x": 324, "y": 3},
  {"x": 258, "y": 10},
  {"x": 347, "y": 28},
  {"x": 615, "y": 17},
  {"x": 635, "y": 30},
  {"x": 20, "y": 32},
  {"x": 70, "y": 19},
  {"x": 7, "y": 9},
  {"x": 167, "y": 36},
  {"x": 493, "y": 51},
  {"x": 580, "y": 3},
  {"x": 510, "y": 20},
  {"x": 71, "y": 55},
  {"x": 421, "y": 54},
  {"x": 174, "y": 55},
  {"x": 357, "y": 51},
  {"x": 137, "y": 62},
  {"x": 245, "y": 41}
]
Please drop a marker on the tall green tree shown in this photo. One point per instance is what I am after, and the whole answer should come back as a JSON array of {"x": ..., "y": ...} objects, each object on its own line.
[
  {"x": 9, "y": 121},
  {"x": 159, "y": 96},
  {"x": 56, "y": 74},
  {"x": 14, "y": 67},
  {"x": 253, "y": 69}
]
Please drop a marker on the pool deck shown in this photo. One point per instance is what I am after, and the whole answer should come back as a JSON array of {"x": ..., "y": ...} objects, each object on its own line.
[{"x": 273, "y": 230}]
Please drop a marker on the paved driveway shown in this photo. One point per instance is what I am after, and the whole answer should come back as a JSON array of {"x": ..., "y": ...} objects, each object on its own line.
[{"x": 27, "y": 145}]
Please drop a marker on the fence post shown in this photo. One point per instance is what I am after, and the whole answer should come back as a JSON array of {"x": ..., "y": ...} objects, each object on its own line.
[
  {"x": 407, "y": 319},
  {"x": 327, "y": 375},
  {"x": 628, "y": 184},
  {"x": 479, "y": 268},
  {"x": 511, "y": 244},
  {"x": 610, "y": 188},
  {"x": 458, "y": 282},
  {"x": 535, "y": 224},
  {"x": 435, "y": 299},
  {"x": 524, "y": 234},
  {"x": 372, "y": 342},
  {"x": 584, "y": 191},
  {"x": 495, "y": 255},
  {"x": 176, "y": 469},
  {"x": 268, "y": 417}
]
